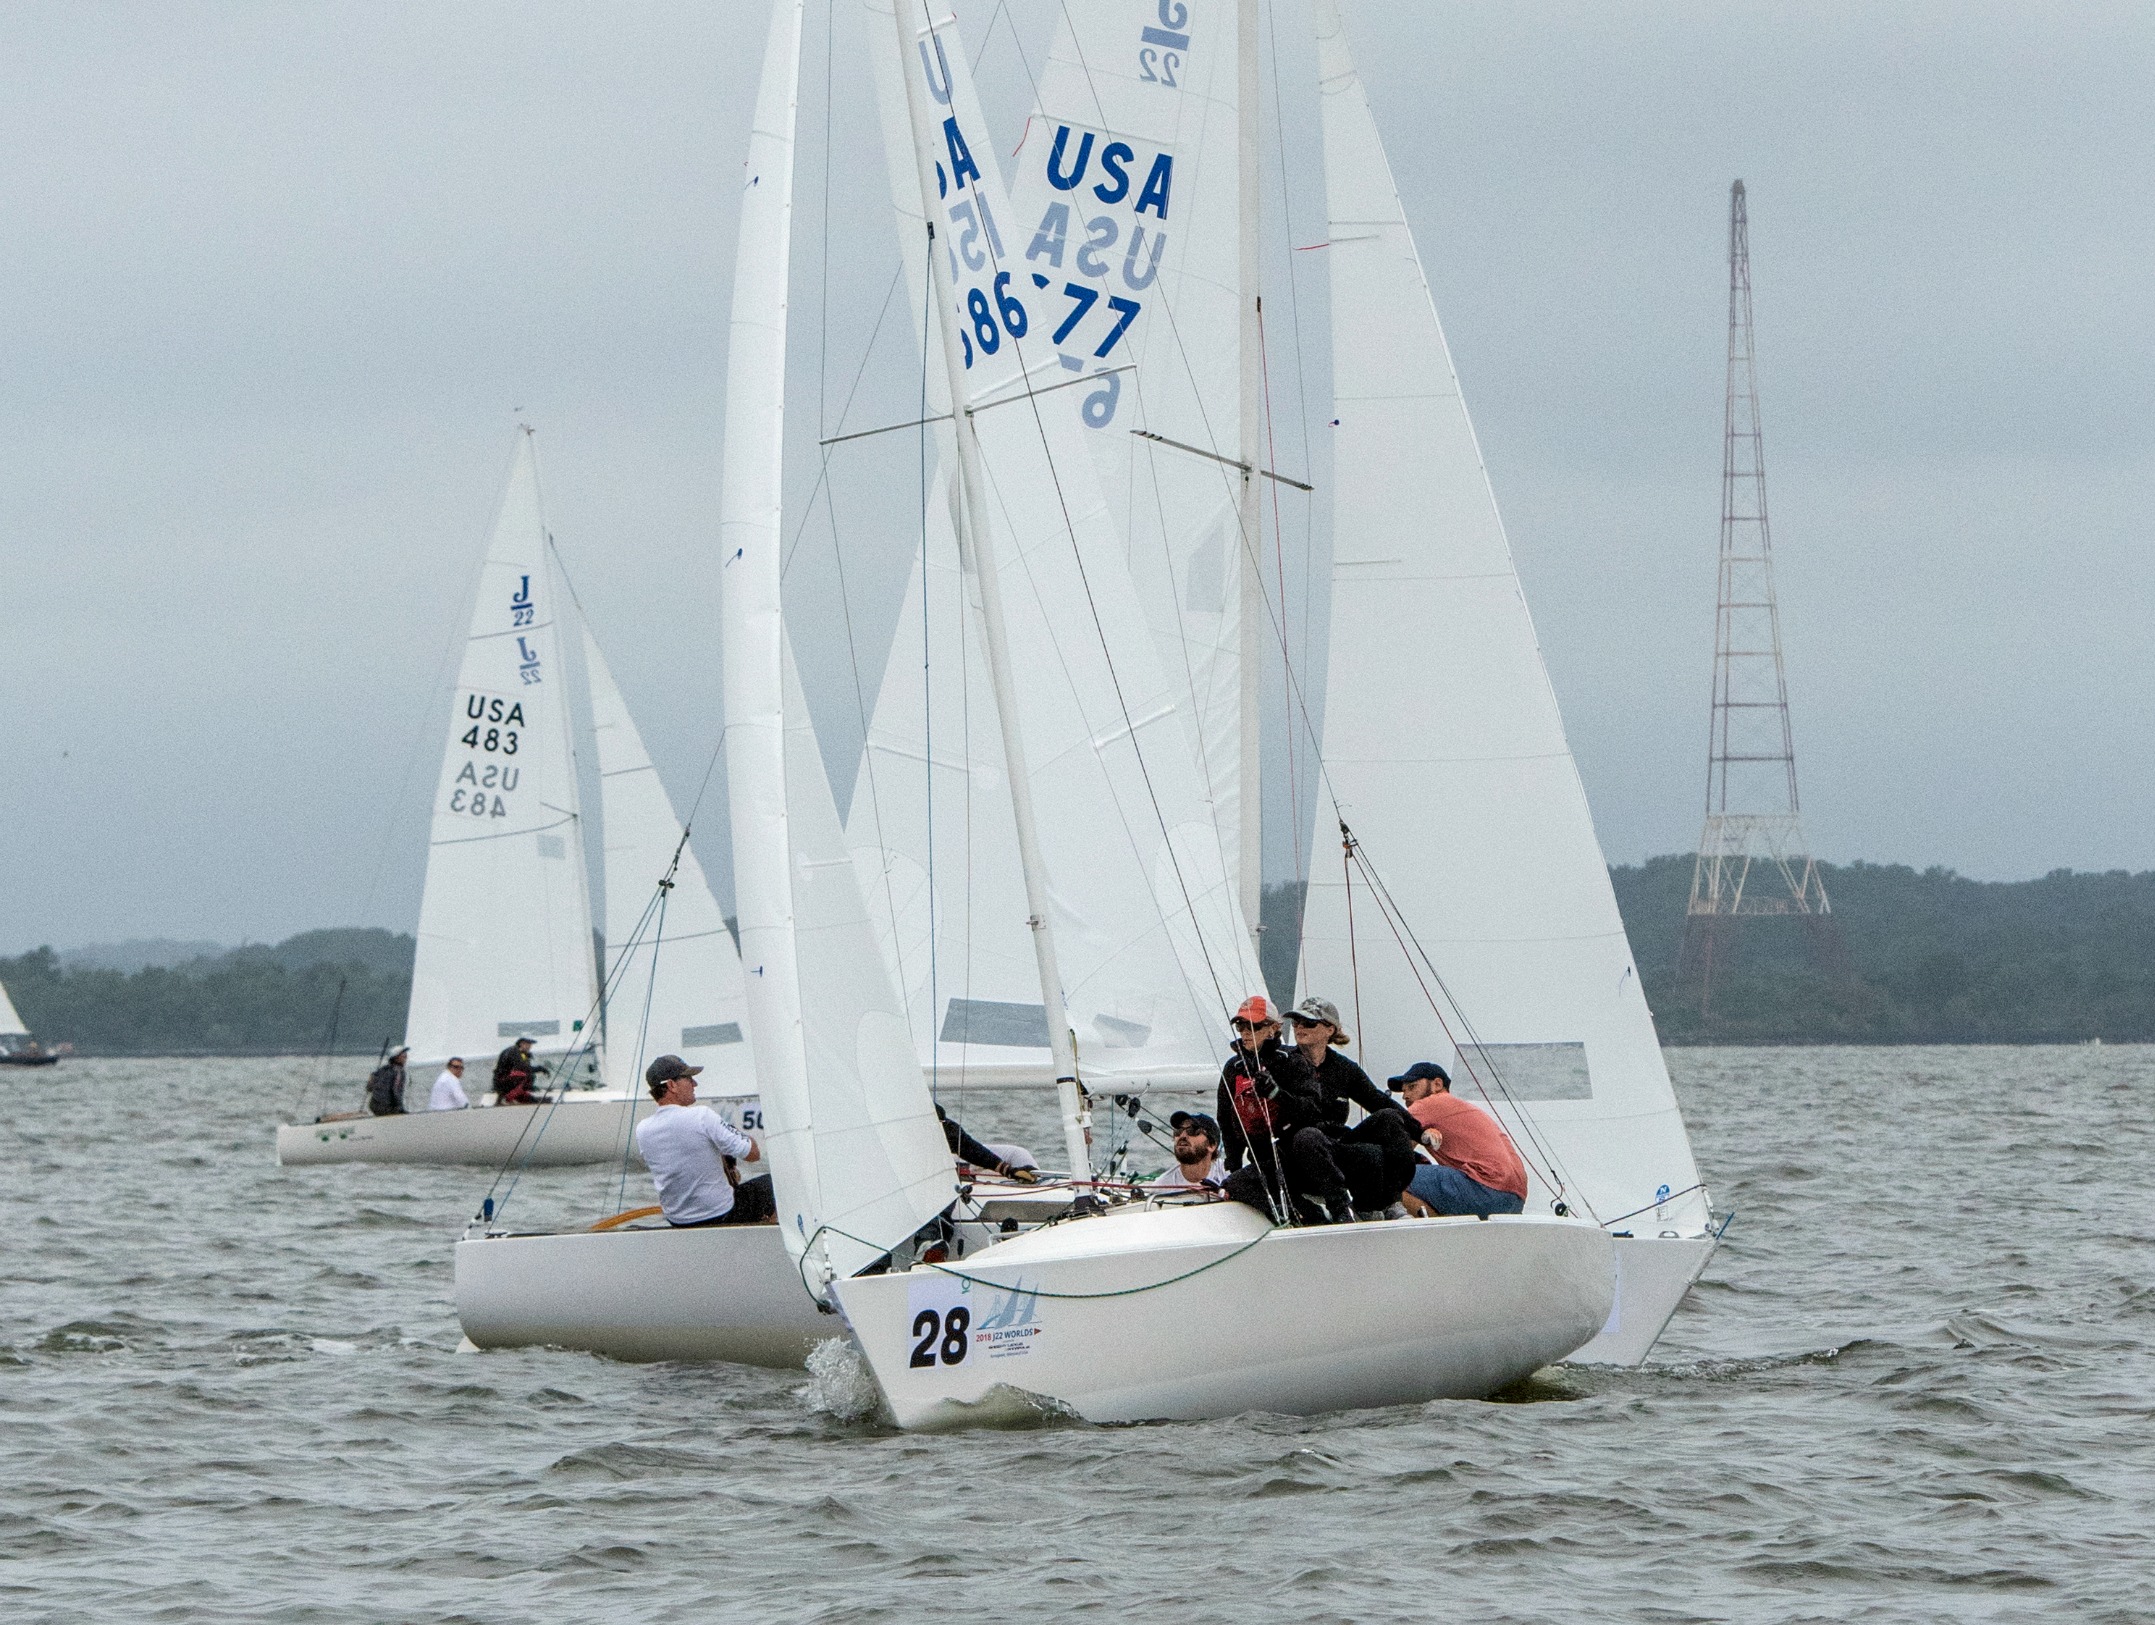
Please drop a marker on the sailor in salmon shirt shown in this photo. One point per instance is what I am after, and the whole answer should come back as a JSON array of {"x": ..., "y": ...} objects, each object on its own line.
[{"x": 1477, "y": 1170}]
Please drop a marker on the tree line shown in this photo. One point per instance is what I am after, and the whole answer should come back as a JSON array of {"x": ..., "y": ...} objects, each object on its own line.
[{"x": 1925, "y": 956}]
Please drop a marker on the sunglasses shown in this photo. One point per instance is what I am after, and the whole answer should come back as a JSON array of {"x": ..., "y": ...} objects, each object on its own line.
[{"x": 1242, "y": 1026}]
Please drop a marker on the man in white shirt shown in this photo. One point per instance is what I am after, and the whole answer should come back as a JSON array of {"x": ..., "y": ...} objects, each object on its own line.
[
  {"x": 686, "y": 1147},
  {"x": 448, "y": 1095},
  {"x": 1197, "y": 1156}
]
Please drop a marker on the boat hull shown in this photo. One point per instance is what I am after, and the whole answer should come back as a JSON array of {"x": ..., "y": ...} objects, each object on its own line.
[
  {"x": 574, "y": 1131},
  {"x": 728, "y": 1292},
  {"x": 1236, "y": 1318},
  {"x": 1652, "y": 1275},
  {"x": 29, "y": 1060}
]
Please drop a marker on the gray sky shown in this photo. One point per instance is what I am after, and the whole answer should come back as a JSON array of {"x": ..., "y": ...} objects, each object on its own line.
[{"x": 277, "y": 280}]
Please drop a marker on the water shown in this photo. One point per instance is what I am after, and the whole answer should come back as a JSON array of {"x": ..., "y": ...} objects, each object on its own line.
[{"x": 1915, "y": 1387}]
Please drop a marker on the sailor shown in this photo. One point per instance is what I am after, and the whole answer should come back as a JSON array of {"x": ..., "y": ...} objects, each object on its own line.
[
  {"x": 1376, "y": 1155},
  {"x": 1197, "y": 1156},
  {"x": 514, "y": 1073},
  {"x": 1011, "y": 1161},
  {"x": 1279, "y": 1159},
  {"x": 385, "y": 1085},
  {"x": 448, "y": 1093},
  {"x": 691, "y": 1150},
  {"x": 1478, "y": 1170}
]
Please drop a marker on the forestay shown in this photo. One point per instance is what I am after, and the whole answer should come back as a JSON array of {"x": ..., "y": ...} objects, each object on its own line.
[
  {"x": 858, "y": 1161},
  {"x": 505, "y": 947},
  {"x": 673, "y": 976},
  {"x": 1445, "y": 752},
  {"x": 1148, "y": 931}
]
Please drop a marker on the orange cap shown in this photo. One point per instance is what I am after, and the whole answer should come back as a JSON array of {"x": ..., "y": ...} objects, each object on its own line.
[{"x": 1257, "y": 1008}]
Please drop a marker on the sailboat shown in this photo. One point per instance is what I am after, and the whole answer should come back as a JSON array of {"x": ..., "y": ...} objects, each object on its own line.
[
  {"x": 17, "y": 1047},
  {"x": 505, "y": 933},
  {"x": 1137, "y": 1313}
]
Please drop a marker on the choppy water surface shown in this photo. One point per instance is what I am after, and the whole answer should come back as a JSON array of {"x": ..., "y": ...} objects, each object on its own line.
[{"x": 1916, "y": 1386}]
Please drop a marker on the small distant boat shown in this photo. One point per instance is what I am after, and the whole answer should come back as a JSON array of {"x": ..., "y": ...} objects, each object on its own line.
[
  {"x": 17, "y": 1047},
  {"x": 505, "y": 922}
]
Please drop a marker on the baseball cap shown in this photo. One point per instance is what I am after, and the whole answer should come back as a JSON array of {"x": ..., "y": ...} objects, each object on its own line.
[
  {"x": 1201, "y": 1121},
  {"x": 1324, "y": 1010},
  {"x": 1418, "y": 1072},
  {"x": 1257, "y": 1008},
  {"x": 667, "y": 1068}
]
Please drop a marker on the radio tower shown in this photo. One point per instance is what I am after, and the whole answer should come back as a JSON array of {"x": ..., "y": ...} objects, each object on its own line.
[{"x": 1753, "y": 858}]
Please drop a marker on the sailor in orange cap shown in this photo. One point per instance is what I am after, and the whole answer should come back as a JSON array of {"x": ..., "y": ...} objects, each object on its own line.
[{"x": 1279, "y": 1159}]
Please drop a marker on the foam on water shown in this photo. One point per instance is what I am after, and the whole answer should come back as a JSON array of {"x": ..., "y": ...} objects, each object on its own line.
[{"x": 1918, "y": 1384}]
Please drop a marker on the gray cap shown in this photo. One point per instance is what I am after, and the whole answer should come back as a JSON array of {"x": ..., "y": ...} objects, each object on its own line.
[
  {"x": 665, "y": 1069},
  {"x": 1316, "y": 1009}
]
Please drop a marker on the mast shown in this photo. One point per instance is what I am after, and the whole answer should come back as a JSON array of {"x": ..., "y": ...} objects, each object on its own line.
[
  {"x": 976, "y": 540},
  {"x": 1249, "y": 824}
]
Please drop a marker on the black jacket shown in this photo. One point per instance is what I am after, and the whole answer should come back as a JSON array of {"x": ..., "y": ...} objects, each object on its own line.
[
  {"x": 385, "y": 1090},
  {"x": 1265, "y": 1099},
  {"x": 1342, "y": 1084},
  {"x": 964, "y": 1147}
]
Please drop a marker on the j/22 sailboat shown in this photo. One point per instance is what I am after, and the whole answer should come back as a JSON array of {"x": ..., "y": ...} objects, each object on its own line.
[{"x": 506, "y": 947}]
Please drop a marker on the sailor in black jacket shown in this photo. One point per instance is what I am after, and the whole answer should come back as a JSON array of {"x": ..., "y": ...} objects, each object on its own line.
[
  {"x": 1272, "y": 1126},
  {"x": 1375, "y": 1156}
]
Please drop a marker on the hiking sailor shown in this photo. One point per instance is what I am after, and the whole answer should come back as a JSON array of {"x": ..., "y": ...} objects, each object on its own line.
[
  {"x": 691, "y": 1150},
  {"x": 1375, "y": 1156},
  {"x": 1478, "y": 1170},
  {"x": 1197, "y": 1157},
  {"x": 448, "y": 1092},
  {"x": 514, "y": 1073},
  {"x": 1279, "y": 1159},
  {"x": 385, "y": 1085}
]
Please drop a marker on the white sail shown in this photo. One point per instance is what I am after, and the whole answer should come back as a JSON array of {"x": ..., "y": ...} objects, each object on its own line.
[
  {"x": 1150, "y": 941},
  {"x": 858, "y": 1161},
  {"x": 505, "y": 947},
  {"x": 1445, "y": 754},
  {"x": 10, "y": 1023},
  {"x": 1124, "y": 196},
  {"x": 673, "y": 975}
]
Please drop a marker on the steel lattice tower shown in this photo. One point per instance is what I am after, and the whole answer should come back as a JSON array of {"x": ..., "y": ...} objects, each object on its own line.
[{"x": 1753, "y": 814}]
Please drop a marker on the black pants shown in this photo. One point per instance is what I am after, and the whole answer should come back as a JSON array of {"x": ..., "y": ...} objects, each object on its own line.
[
  {"x": 753, "y": 1203},
  {"x": 1376, "y": 1159},
  {"x": 1305, "y": 1157}
]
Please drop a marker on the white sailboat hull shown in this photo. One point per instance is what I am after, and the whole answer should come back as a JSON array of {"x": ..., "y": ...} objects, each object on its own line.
[
  {"x": 1652, "y": 1275},
  {"x": 1299, "y": 1321},
  {"x": 575, "y": 1131},
  {"x": 724, "y": 1293}
]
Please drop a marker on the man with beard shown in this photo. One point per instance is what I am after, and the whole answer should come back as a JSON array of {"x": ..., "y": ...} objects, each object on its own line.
[{"x": 1197, "y": 1157}]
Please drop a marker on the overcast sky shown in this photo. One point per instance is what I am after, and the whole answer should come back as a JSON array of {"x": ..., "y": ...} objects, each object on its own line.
[{"x": 276, "y": 282}]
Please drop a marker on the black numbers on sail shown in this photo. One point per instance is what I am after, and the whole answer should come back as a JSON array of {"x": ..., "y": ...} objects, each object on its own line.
[
  {"x": 941, "y": 1336},
  {"x": 501, "y": 739},
  {"x": 478, "y": 804}
]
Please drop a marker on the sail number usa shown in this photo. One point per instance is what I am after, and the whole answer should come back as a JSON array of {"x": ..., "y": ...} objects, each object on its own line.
[{"x": 496, "y": 729}]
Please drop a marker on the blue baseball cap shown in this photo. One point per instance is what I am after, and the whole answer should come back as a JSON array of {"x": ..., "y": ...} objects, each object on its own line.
[{"x": 1420, "y": 1072}]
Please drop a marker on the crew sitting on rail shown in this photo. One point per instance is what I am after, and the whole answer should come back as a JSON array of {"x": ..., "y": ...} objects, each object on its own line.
[
  {"x": 691, "y": 1151},
  {"x": 385, "y": 1085},
  {"x": 1272, "y": 1115},
  {"x": 1376, "y": 1155},
  {"x": 448, "y": 1092},
  {"x": 1478, "y": 1170},
  {"x": 514, "y": 1074},
  {"x": 1011, "y": 1161},
  {"x": 1197, "y": 1157}
]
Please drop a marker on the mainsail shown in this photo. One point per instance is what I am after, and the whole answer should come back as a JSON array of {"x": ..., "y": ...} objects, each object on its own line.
[
  {"x": 673, "y": 976},
  {"x": 858, "y": 1160},
  {"x": 10, "y": 1023},
  {"x": 1445, "y": 755},
  {"x": 505, "y": 948}
]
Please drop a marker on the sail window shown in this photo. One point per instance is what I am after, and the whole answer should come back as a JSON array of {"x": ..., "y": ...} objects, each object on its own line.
[
  {"x": 1526, "y": 1071},
  {"x": 552, "y": 846},
  {"x": 719, "y": 1032},
  {"x": 993, "y": 1021},
  {"x": 1116, "y": 1033},
  {"x": 529, "y": 1029}
]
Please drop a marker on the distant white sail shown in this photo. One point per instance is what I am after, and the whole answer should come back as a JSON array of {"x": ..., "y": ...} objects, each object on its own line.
[
  {"x": 505, "y": 947},
  {"x": 10, "y": 1023},
  {"x": 673, "y": 976},
  {"x": 1445, "y": 751},
  {"x": 858, "y": 1160}
]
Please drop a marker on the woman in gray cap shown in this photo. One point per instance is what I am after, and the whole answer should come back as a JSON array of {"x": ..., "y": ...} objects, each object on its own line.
[{"x": 1376, "y": 1156}]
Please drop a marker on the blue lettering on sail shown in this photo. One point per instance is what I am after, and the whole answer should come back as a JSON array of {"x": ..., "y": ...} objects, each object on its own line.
[
  {"x": 527, "y": 661},
  {"x": 1053, "y": 234},
  {"x": 1112, "y": 157},
  {"x": 961, "y": 156},
  {"x": 1130, "y": 276},
  {"x": 521, "y": 608},
  {"x": 1154, "y": 196},
  {"x": 1056, "y": 178}
]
